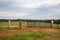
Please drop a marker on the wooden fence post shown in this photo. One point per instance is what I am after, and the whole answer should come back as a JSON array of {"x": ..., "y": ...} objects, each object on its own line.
[
  {"x": 39, "y": 24},
  {"x": 19, "y": 24},
  {"x": 9, "y": 23},
  {"x": 57, "y": 25},
  {"x": 52, "y": 23},
  {"x": 27, "y": 23},
  {"x": 34, "y": 23}
]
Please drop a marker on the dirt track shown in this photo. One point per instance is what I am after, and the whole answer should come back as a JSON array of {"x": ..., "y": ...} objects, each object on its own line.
[{"x": 9, "y": 32}]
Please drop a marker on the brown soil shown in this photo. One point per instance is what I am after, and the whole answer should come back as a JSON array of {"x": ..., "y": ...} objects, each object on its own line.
[{"x": 9, "y": 32}]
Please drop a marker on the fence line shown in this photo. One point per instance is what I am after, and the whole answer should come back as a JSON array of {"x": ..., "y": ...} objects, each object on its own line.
[{"x": 32, "y": 23}]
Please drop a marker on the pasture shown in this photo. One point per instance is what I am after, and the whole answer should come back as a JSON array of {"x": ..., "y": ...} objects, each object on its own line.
[
  {"x": 29, "y": 30},
  {"x": 16, "y": 25}
]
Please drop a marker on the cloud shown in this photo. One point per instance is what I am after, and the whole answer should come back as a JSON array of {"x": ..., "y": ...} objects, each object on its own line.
[
  {"x": 35, "y": 3},
  {"x": 30, "y": 9}
]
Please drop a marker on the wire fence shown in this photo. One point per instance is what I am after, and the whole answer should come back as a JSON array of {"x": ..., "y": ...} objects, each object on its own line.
[{"x": 18, "y": 24}]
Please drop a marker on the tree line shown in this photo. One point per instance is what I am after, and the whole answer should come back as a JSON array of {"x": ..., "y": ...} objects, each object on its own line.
[{"x": 48, "y": 21}]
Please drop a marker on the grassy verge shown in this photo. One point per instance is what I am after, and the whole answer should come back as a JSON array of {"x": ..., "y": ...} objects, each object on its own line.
[{"x": 33, "y": 35}]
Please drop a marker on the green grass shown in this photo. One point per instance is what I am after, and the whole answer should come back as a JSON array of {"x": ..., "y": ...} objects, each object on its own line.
[
  {"x": 43, "y": 24},
  {"x": 24, "y": 24},
  {"x": 11, "y": 28},
  {"x": 30, "y": 24},
  {"x": 33, "y": 35},
  {"x": 15, "y": 23},
  {"x": 3, "y": 23},
  {"x": 3, "y": 29}
]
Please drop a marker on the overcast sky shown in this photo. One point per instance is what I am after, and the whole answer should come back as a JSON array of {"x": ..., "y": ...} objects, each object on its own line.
[{"x": 30, "y": 9}]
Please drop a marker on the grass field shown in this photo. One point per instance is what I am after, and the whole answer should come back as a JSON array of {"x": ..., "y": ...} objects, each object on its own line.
[
  {"x": 30, "y": 24},
  {"x": 33, "y": 35},
  {"x": 30, "y": 34}
]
